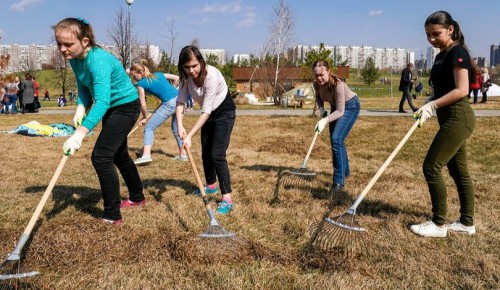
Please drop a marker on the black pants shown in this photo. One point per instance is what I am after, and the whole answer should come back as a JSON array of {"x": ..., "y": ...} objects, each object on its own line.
[
  {"x": 406, "y": 97},
  {"x": 215, "y": 138},
  {"x": 111, "y": 149}
]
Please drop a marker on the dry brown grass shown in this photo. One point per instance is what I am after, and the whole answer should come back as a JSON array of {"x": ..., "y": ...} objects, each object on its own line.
[{"x": 73, "y": 251}]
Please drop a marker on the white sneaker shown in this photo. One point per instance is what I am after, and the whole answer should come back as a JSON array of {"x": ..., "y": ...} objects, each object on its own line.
[
  {"x": 460, "y": 228},
  {"x": 143, "y": 160},
  {"x": 429, "y": 229}
]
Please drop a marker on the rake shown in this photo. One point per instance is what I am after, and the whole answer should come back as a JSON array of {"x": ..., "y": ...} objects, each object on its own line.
[
  {"x": 13, "y": 260},
  {"x": 343, "y": 234},
  {"x": 215, "y": 230},
  {"x": 296, "y": 176},
  {"x": 147, "y": 118}
]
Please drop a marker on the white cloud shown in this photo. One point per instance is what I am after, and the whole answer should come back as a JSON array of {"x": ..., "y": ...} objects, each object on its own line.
[
  {"x": 23, "y": 4},
  {"x": 229, "y": 8},
  {"x": 375, "y": 12},
  {"x": 248, "y": 20}
]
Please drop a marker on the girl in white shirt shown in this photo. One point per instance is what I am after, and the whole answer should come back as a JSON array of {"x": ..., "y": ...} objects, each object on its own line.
[{"x": 208, "y": 88}]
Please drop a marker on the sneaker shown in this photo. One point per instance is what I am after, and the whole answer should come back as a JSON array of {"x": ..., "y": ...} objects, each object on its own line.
[
  {"x": 224, "y": 207},
  {"x": 143, "y": 160},
  {"x": 461, "y": 228},
  {"x": 429, "y": 229},
  {"x": 207, "y": 190},
  {"x": 113, "y": 222},
  {"x": 129, "y": 203},
  {"x": 180, "y": 158}
]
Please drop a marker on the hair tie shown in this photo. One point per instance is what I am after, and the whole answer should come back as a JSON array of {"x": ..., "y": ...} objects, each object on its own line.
[{"x": 83, "y": 20}]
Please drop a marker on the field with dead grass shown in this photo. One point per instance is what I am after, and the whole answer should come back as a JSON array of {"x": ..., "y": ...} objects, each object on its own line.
[{"x": 73, "y": 251}]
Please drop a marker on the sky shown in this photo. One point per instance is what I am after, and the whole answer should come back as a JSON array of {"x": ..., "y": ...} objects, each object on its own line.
[{"x": 242, "y": 26}]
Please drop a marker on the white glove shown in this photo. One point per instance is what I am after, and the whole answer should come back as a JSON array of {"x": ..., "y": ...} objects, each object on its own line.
[
  {"x": 425, "y": 112},
  {"x": 322, "y": 112},
  {"x": 73, "y": 143},
  {"x": 321, "y": 125},
  {"x": 79, "y": 115}
]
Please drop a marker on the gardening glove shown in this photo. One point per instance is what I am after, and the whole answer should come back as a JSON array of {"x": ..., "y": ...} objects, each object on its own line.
[
  {"x": 321, "y": 125},
  {"x": 322, "y": 112},
  {"x": 425, "y": 112},
  {"x": 79, "y": 115},
  {"x": 73, "y": 143}
]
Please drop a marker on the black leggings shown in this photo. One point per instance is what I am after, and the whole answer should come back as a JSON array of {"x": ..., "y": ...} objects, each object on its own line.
[{"x": 111, "y": 149}]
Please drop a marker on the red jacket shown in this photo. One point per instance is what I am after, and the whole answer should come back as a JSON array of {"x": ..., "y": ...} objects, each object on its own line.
[{"x": 477, "y": 84}]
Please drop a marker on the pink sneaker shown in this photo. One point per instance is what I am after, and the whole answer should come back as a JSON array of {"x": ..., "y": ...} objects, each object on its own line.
[
  {"x": 129, "y": 203},
  {"x": 113, "y": 222}
]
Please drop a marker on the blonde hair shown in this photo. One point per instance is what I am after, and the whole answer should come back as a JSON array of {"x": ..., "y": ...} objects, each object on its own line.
[{"x": 142, "y": 69}]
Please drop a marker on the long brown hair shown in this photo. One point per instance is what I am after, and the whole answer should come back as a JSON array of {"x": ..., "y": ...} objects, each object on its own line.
[{"x": 185, "y": 55}]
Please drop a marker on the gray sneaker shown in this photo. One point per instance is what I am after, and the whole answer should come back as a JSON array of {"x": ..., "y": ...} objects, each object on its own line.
[
  {"x": 180, "y": 158},
  {"x": 460, "y": 228},
  {"x": 143, "y": 160}
]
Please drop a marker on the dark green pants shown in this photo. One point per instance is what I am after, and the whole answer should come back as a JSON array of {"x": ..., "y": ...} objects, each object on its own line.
[{"x": 456, "y": 124}]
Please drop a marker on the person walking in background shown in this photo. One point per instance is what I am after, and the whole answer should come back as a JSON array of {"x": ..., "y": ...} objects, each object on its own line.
[
  {"x": 345, "y": 108},
  {"x": 405, "y": 85},
  {"x": 107, "y": 93},
  {"x": 485, "y": 76},
  {"x": 46, "y": 95},
  {"x": 158, "y": 85},
  {"x": 208, "y": 88},
  {"x": 189, "y": 104},
  {"x": 475, "y": 85},
  {"x": 28, "y": 88},
  {"x": 451, "y": 75}
]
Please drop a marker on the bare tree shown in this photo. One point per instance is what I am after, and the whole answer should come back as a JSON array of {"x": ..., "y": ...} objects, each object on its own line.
[
  {"x": 65, "y": 79},
  {"x": 195, "y": 42},
  {"x": 280, "y": 34},
  {"x": 119, "y": 34},
  {"x": 172, "y": 37}
]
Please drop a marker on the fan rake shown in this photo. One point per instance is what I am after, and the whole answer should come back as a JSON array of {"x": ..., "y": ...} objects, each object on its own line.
[
  {"x": 12, "y": 264},
  {"x": 342, "y": 234},
  {"x": 298, "y": 176}
]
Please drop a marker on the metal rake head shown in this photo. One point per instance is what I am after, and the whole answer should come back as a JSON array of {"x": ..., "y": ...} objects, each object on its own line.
[
  {"x": 217, "y": 232},
  {"x": 10, "y": 274},
  {"x": 340, "y": 236}
]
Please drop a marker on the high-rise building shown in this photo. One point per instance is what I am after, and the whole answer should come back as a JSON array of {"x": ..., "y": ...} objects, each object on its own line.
[
  {"x": 219, "y": 53},
  {"x": 494, "y": 55},
  {"x": 36, "y": 57}
]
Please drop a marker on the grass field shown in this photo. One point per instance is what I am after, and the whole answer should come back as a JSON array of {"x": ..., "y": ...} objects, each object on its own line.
[{"x": 72, "y": 250}]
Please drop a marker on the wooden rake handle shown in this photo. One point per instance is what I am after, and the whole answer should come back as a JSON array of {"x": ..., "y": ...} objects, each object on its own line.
[
  {"x": 41, "y": 204},
  {"x": 147, "y": 118},
  {"x": 384, "y": 166},
  {"x": 196, "y": 174},
  {"x": 304, "y": 164}
]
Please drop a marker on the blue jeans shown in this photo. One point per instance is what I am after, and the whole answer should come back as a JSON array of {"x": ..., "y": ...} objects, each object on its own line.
[
  {"x": 159, "y": 117},
  {"x": 12, "y": 101},
  {"x": 339, "y": 129}
]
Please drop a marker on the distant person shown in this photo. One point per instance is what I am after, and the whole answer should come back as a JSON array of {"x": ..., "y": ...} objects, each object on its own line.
[
  {"x": 12, "y": 88},
  {"x": 451, "y": 75},
  {"x": 46, "y": 95},
  {"x": 28, "y": 88},
  {"x": 207, "y": 86},
  {"x": 405, "y": 85},
  {"x": 20, "y": 94},
  {"x": 36, "y": 101},
  {"x": 106, "y": 92},
  {"x": 61, "y": 101},
  {"x": 476, "y": 82},
  {"x": 71, "y": 95},
  {"x": 156, "y": 84},
  {"x": 345, "y": 108},
  {"x": 485, "y": 76}
]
